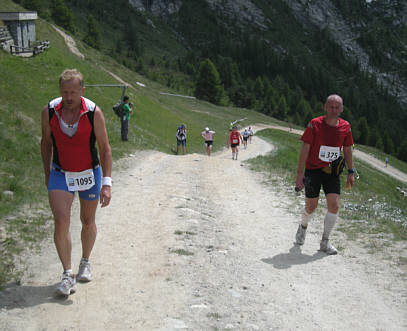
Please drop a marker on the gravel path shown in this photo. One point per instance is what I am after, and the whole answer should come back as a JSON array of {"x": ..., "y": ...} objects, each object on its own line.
[{"x": 202, "y": 243}]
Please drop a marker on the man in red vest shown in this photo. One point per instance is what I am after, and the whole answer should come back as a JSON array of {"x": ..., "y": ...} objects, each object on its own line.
[{"x": 71, "y": 125}]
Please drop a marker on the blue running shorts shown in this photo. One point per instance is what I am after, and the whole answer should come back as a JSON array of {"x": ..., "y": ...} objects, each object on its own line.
[{"x": 57, "y": 182}]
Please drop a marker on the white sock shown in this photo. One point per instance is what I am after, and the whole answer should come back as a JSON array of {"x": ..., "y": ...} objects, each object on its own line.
[
  {"x": 68, "y": 271},
  {"x": 329, "y": 223},
  {"x": 305, "y": 219}
]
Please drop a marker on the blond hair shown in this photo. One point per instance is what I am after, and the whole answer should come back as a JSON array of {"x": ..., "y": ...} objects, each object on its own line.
[{"x": 69, "y": 74}]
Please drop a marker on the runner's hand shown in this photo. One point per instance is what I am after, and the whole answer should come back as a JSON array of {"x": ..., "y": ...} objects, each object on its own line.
[
  {"x": 299, "y": 182},
  {"x": 105, "y": 195}
]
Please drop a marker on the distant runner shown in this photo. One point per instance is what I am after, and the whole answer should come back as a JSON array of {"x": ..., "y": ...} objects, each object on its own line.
[
  {"x": 323, "y": 140},
  {"x": 234, "y": 140},
  {"x": 246, "y": 136},
  {"x": 208, "y": 136},
  {"x": 250, "y": 134},
  {"x": 181, "y": 136}
]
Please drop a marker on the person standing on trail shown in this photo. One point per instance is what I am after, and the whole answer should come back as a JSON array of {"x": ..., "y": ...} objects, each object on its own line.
[
  {"x": 208, "y": 136},
  {"x": 181, "y": 136},
  {"x": 71, "y": 125},
  {"x": 323, "y": 140},
  {"x": 234, "y": 140},
  {"x": 127, "y": 109},
  {"x": 386, "y": 160}
]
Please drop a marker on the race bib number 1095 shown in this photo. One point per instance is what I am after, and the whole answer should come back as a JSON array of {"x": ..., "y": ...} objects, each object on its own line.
[{"x": 80, "y": 181}]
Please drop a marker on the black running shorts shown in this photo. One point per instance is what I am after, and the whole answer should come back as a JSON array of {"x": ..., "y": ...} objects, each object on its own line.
[{"x": 315, "y": 178}]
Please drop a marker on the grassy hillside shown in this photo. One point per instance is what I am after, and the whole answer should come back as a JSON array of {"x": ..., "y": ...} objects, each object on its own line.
[{"x": 31, "y": 82}]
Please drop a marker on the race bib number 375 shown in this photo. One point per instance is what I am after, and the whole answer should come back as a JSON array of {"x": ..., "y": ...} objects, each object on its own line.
[
  {"x": 329, "y": 153},
  {"x": 80, "y": 181}
]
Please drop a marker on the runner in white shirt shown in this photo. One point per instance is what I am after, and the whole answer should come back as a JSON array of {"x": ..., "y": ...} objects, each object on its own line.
[
  {"x": 250, "y": 134},
  {"x": 208, "y": 136}
]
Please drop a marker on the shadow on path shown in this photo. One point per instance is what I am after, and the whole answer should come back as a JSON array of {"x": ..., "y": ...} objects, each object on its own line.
[
  {"x": 293, "y": 257},
  {"x": 15, "y": 297}
]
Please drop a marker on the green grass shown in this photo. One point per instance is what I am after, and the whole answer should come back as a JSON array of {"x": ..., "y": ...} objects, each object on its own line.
[{"x": 373, "y": 206}]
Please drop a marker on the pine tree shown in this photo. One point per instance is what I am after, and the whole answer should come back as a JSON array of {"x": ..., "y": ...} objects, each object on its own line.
[
  {"x": 388, "y": 145},
  {"x": 208, "y": 86},
  {"x": 402, "y": 151},
  {"x": 363, "y": 129},
  {"x": 62, "y": 16},
  {"x": 93, "y": 37},
  {"x": 282, "y": 109}
]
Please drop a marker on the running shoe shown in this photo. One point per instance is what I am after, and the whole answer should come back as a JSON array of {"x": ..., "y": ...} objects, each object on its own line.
[
  {"x": 84, "y": 274},
  {"x": 327, "y": 247},
  {"x": 300, "y": 236},
  {"x": 67, "y": 285}
]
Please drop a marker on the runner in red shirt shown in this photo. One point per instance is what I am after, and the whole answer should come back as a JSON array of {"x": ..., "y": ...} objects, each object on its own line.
[
  {"x": 234, "y": 139},
  {"x": 323, "y": 141}
]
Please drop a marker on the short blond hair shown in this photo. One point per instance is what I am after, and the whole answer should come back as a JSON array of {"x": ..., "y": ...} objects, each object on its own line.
[{"x": 69, "y": 74}]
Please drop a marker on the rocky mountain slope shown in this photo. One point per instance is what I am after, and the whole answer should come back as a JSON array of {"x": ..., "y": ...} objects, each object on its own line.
[{"x": 313, "y": 14}]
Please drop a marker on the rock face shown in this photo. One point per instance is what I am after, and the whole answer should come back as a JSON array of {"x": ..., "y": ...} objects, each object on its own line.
[
  {"x": 323, "y": 14},
  {"x": 157, "y": 7},
  {"x": 314, "y": 14}
]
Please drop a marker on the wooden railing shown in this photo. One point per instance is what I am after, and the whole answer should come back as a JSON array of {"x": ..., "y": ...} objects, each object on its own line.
[{"x": 36, "y": 48}]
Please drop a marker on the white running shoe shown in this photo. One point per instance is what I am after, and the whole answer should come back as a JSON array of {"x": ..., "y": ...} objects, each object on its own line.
[
  {"x": 327, "y": 247},
  {"x": 300, "y": 236},
  {"x": 84, "y": 274},
  {"x": 67, "y": 285}
]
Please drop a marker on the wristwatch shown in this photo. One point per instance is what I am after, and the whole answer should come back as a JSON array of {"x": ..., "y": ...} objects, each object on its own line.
[{"x": 351, "y": 171}]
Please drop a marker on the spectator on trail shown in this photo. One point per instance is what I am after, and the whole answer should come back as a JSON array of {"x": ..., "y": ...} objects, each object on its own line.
[
  {"x": 320, "y": 155},
  {"x": 181, "y": 136},
  {"x": 127, "y": 109},
  {"x": 234, "y": 140},
  {"x": 208, "y": 136},
  {"x": 71, "y": 124},
  {"x": 386, "y": 160}
]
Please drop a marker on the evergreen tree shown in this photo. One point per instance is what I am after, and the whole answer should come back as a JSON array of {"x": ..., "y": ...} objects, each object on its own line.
[
  {"x": 208, "y": 86},
  {"x": 388, "y": 145},
  {"x": 302, "y": 108},
  {"x": 402, "y": 151},
  {"x": 259, "y": 88},
  {"x": 373, "y": 137},
  {"x": 307, "y": 117},
  {"x": 282, "y": 109},
  {"x": 62, "y": 15},
  {"x": 36, "y": 5},
  {"x": 93, "y": 37},
  {"x": 363, "y": 129},
  {"x": 379, "y": 143}
]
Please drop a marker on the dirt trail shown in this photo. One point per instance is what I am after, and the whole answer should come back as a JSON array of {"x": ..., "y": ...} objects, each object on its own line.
[{"x": 199, "y": 243}]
